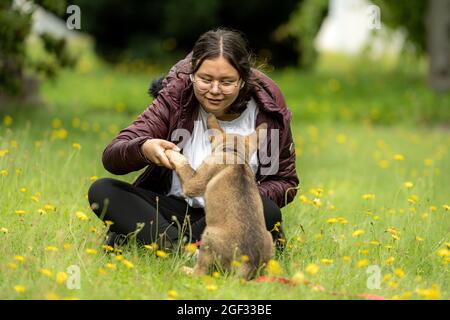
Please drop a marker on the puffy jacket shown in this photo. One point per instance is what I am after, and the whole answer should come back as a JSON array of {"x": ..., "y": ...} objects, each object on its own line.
[{"x": 176, "y": 107}]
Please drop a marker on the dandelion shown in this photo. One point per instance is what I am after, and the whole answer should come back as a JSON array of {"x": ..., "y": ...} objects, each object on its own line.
[
  {"x": 101, "y": 271},
  {"x": 428, "y": 162},
  {"x": 332, "y": 220},
  {"x": 3, "y": 152},
  {"x": 119, "y": 258},
  {"x": 304, "y": 199},
  {"x": 7, "y": 120},
  {"x": 76, "y": 146},
  {"x": 394, "y": 233},
  {"x": 93, "y": 178},
  {"x": 11, "y": 265},
  {"x": 128, "y": 264},
  {"x": 432, "y": 293},
  {"x": 375, "y": 243},
  {"x": 151, "y": 247},
  {"x": 235, "y": 263},
  {"x": 316, "y": 192},
  {"x": 108, "y": 223},
  {"x": 357, "y": 233},
  {"x": 399, "y": 272},
  {"x": 61, "y": 277},
  {"x": 384, "y": 164},
  {"x": 326, "y": 261},
  {"x": 346, "y": 259},
  {"x": 161, "y": 253},
  {"x": 342, "y": 220},
  {"x": 111, "y": 266},
  {"x": 107, "y": 248},
  {"x": 389, "y": 260},
  {"x": 317, "y": 202},
  {"x": 341, "y": 138},
  {"x": 46, "y": 272},
  {"x": 443, "y": 252},
  {"x": 91, "y": 251},
  {"x": 364, "y": 251},
  {"x": 19, "y": 288},
  {"x": 312, "y": 268},
  {"x": 368, "y": 196},
  {"x": 51, "y": 249},
  {"x": 52, "y": 296},
  {"x": 3, "y": 230},
  {"x": 23, "y": 190},
  {"x": 245, "y": 258},
  {"x": 413, "y": 199},
  {"x": 446, "y": 207},
  {"x": 216, "y": 274},
  {"x": 408, "y": 185},
  {"x": 274, "y": 267},
  {"x": 211, "y": 287},
  {"x": 419, "y": 239},
  {"x": 387, "y": 277},
  {"x": 362, "y": 263},
  {"x": 172, "y": 294},
  {"x": 56, "y": 123},
  {"x": 298, "y": 278},
  {"x": 399, "y": 157},
  {"x": 81, "y": 215},
  {"x": 19, "y": 258},
  {"x": 67, "y": 246}
]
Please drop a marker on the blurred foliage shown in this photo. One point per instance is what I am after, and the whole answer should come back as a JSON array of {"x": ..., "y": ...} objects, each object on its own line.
[
  {"x": 303, "y": 25},
  {"x": 165, "y": 30},
  {"x": 15, "y": 27},
  {"x": 409, "y": 15}
]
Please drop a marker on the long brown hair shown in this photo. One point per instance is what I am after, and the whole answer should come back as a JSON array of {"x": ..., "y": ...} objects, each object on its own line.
[{"x": 233, "y": 46}]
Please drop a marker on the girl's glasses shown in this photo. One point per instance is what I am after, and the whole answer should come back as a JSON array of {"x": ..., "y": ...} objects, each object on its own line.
[{"x": 204, "y": 85}]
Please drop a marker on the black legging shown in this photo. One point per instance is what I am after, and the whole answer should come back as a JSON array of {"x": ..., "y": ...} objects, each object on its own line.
[{"x": 127, "y": 206}]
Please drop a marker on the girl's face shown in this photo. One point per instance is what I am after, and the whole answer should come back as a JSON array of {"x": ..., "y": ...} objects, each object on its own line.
[{"x": 216, "y": 85}]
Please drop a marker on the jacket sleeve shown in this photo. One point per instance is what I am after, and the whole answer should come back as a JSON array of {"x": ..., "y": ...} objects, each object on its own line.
[
  {"x": 282, "y": 187},
  {"x": 123, "y": 155}
]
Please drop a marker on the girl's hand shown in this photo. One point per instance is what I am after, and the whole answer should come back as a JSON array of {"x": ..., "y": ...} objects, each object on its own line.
[{"x": 154, "y": 150}]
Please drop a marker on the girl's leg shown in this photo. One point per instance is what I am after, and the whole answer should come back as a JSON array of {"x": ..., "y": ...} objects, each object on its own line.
[{"x": 127, "y": 206}]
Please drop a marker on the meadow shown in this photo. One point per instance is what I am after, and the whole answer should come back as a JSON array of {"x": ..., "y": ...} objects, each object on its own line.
[{"x": 370, "y": 219}]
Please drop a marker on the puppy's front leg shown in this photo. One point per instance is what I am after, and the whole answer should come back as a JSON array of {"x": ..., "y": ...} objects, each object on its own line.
[{"x": 181, "y": 165}]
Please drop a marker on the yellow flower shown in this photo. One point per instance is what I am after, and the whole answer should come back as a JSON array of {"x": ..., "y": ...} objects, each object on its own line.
[
  {"x": 172, "y": 294},
  {"x": 341, "y": 138},
  {"x": 375, "y": 243},
  {"x": 107, "y": 248},
  {"x": 364, "y": 251},
  {"x": 81, "y": 215},
  {"x": 332, "y": 220},
  {"x": 432, "y": 293},
  {"x": 399, "y": 157},
  {"x": 23, "y": 190},
  {"x": 52, "y": 296},
  {"x": 273, "y": 267},
  {"x": 67, "y": 246},
  {"x": 312, "y": 268},
  {"x": 46, "y": 272},
  {"x": 51, "y": 249},
  {"x": 443, "y": 252},
  {"x": 3, "y": 152},
  {"x": 357, "y": 233},
  {"x": 413, "y": 199},
  {"x": 3, "y": 230},
  {"x": 384, "y": 164},
  {"x": 109, "y": 223},
  {"x": 20, "y": 212},
  {"x": 216, "y": 274},
  {"x": 446, "y": 207},
  {"x": 408, "y": 185},
  {"x": 326, "y": 261},
  {"x": 235, "y": 263},
  {"x": 317, "y": 192},
  {"x": 399, "y": 272},
  {"x": 93, "y": 178},
  {"x": 161, "y": 254},
  {"x": 211, "y": 287},
  {"x": 7, "y": 120},
  {"x": 152, "y": 246},
  {"x": 56, "y": 123},
  {"x": 317, "y": 202},
  {"x": 128, "y": 264},
  {"x": 19, "y": 288},
  {"x": 389, "y": 260},
  {"x": 428, "y": 162},
  {"x": 76, "y": 146},
  {"x": 245, "y": 258},
  {"x": 19, "y": 258},
  {"x": 298, "y": 278},
  {"x": 101, "y": 271},
  {"x": 419, "y": 239},
  {"x": 61, "y": 277},
  {"x": 110, "y": 266},
  {"x": 362, "y": 263},
  {"x": 119, "y": 258},
  {"x": 346, "y": 259},
  {"x": 304, "y": 199},
  {"x": 368, "y": 196},
  {"x": 91, "y": 251},
  {"x": 342, "y": 220}
]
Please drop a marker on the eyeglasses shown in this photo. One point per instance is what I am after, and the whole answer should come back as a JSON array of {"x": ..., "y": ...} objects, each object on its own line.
[{"x": 204, "y": 85}]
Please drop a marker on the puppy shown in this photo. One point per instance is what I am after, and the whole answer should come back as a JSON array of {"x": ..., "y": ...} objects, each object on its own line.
[{"x": 235, "y": 226}]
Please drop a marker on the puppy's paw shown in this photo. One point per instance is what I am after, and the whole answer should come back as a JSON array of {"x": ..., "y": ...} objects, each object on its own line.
[
  {"x": 187, "y": 270},
  {"x": 176, "y": 158}
]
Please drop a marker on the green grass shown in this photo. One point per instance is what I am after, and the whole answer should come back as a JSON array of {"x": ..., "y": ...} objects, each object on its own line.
[{"x": 345, "y": 148}]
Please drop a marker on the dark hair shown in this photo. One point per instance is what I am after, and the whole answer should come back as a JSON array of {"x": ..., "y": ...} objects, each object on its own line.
[{"x": 233, "y": 46}]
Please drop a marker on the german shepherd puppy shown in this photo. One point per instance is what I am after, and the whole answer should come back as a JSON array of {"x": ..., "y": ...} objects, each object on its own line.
[{"x": 235, "y": 227}]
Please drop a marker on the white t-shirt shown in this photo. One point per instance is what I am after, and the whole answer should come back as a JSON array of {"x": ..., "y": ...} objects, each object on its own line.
[{"x": 198, "y": 146}]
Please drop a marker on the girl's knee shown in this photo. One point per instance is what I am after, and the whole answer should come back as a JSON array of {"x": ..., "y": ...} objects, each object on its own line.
[
  {"x": 272, "y": 213},
  {"x": 99, "y": 191}
]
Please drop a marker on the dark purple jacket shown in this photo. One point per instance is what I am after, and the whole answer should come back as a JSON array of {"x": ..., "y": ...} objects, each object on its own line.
[{"x": 176, "y": 107}]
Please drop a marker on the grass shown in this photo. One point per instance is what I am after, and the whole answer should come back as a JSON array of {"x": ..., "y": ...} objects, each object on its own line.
[{"x": 346, "y": 151}]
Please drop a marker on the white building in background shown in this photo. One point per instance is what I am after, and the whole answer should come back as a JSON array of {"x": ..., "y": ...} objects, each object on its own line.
[{"x": 352, "y": 25}]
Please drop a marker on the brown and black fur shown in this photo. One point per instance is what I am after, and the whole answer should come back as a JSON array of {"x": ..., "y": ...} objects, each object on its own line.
[{"x": 235, "y": 225}]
